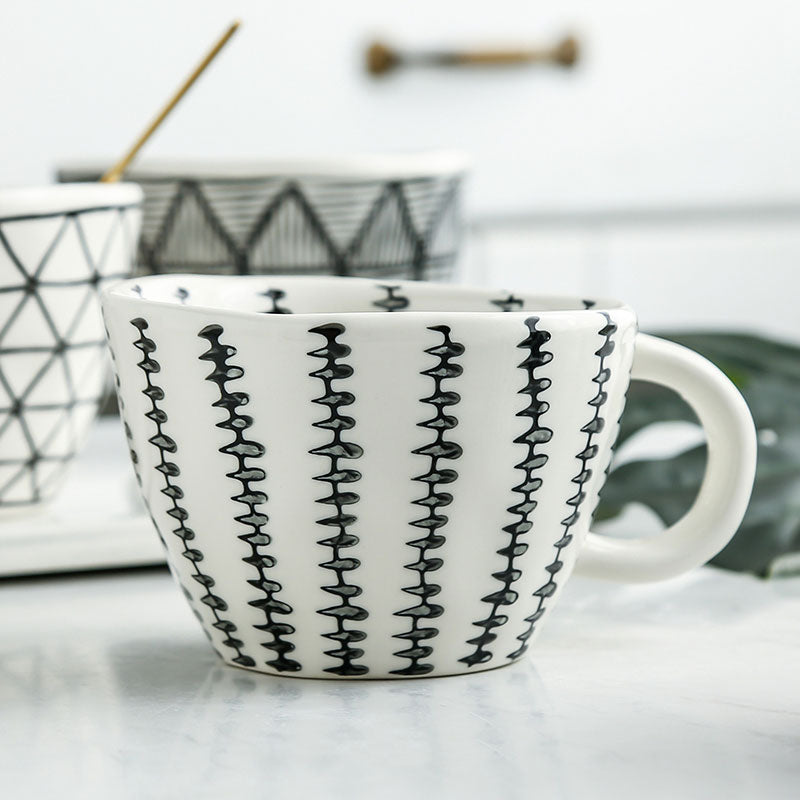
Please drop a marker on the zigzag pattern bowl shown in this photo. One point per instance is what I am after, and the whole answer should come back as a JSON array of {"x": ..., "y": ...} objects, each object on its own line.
[
  {"x": 391, "y": 217},
  {"x": 58, "y": 246}
]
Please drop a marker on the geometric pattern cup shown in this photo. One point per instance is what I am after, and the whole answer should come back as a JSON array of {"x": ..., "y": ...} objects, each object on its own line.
[
  {"x": 356, "y": 478},
  {"x": 388, "y": 217},
  {"x": 58, "y": 246}
]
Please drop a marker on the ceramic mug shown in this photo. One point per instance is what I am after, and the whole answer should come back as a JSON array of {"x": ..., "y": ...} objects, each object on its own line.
[
  {"x": 58, "y": 246},
  {"x": 345, "y": 492},
  {"x": 390, "y": 216}
]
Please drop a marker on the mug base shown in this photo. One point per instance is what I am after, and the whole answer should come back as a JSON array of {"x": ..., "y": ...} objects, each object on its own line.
[{"x": 317, "y": 675}]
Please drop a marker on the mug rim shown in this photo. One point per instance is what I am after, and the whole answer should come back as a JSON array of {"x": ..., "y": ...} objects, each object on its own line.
[
  {"x": 356, "y": 166},
  {"x": 48, "y": 200},
  {"x": 124, "y": 290}
]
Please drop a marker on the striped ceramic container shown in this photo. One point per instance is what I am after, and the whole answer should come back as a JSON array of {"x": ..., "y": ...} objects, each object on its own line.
[{"x": 344, "y": 491}]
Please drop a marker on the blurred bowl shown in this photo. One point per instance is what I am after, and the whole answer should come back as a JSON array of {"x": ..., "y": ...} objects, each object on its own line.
[
  {"x": 395, "y": 216},
  {"x": 58, "y": 246}
]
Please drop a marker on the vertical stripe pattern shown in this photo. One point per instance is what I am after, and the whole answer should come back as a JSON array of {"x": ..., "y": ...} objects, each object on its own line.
[
  {"x": 441, "y": 448},
  {"x": 591, "y": 429},
  {"x": 166, "y": 446},
  {"x": 536, "y": 435},
  {"x": 254, "y": 519},
  {"x": 336, "y": 451}
]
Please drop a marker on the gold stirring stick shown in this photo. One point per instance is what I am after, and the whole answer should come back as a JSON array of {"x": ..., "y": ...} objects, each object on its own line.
[{"x": 116, "y": 172}]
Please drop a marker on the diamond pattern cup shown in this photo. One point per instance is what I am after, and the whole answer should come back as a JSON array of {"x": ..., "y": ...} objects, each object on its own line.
[
  {"x": 58, "y": 246},
  {"x": 386, "y": 217}
]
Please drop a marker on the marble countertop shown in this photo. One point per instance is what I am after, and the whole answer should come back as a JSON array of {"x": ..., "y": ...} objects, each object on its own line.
[{"x": 684, "y": 689}]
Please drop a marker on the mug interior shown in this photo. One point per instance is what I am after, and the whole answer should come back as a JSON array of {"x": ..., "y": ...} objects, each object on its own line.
[{"x": 278, "y": 294}]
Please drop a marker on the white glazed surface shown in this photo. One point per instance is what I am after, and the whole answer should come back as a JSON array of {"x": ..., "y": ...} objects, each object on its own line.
[
  {"x": 58, "y": 245},
  {"x": 364, "y": 166},
  {"x": 232, "y": 414}
]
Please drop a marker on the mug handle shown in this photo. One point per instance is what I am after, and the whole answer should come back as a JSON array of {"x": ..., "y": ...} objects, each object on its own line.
[{"x": 725, "y": 491}]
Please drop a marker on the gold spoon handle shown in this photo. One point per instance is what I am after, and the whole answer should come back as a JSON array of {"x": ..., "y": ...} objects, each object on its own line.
[{"x": 116, "y": 172}]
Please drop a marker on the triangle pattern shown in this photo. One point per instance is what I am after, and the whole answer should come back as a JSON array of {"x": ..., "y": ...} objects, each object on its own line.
[
  {"x": 9, "y": 302},
  {"x": 30, "y": 328},
  {"x": 20, "y": 369},
  {"x": 52, "y": 388},
  {"x": 42, "y": 425},
  {"x": 387, "y": 239},
  {"x": 65, "y": 304},
  {"x": 97, "y": 229},
  {"x": 343, "y": 220},
  {"x": 291, "y": 240},
  {"x": 239, "y": 206},
  {"x": 191, "y": 238},
  {"x": 30, "y": 243},
  {"x": 68, "y": 261},
  {"x": 13, "y": 443}
]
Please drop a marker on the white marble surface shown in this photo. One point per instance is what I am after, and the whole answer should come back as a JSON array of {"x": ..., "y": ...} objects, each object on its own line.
[{"x": 685, "y": 689}]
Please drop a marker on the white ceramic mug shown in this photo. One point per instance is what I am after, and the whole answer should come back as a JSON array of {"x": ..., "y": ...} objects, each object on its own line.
[
  {"x": 58, "y": 246},
  {"x": 345, "y": 492}
]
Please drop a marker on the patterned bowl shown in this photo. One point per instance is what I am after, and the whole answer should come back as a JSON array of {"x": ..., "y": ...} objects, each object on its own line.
[
  {"x": 345, "y": 492},
  {"x": 382, "y": 216},
  {"x": 58, "y": 246}
]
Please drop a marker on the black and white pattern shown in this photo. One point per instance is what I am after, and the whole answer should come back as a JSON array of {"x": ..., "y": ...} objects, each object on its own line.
[
  {"x": 363, "y": 495},
  {"x": 339, "y": 476},
  {"x": 509, "y": 303},
  {"x": 276, "y": 295},
  {"x": 537, "y": 435},
  {"x": 52, "y": 348},
  {"x": 394, "y": 300},
  {"x": 169, "y": 469},
  {"x": 245, "y": 451},
  {"x": 591, "y": 429},
  {"x": 405, "y": 228},
  {"x": 442, "y": 450}
]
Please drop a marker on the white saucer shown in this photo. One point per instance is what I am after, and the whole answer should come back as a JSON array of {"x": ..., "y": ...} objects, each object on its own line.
[{"x": 97, "y": 520}]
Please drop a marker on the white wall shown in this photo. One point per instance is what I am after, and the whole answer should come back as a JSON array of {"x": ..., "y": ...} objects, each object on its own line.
[
  {"x": 675, "y": 105},
  {"x": 674, "y": 102}
]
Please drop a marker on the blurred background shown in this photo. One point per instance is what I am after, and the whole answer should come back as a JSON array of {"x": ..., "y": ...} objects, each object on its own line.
[{"x": 663, "y": 167}]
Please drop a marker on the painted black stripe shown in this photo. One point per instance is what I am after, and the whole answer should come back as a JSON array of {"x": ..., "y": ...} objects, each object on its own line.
[
  {"x": 276, "y": 295},
  {"x": 589, "y": 451},
  {"x": 166, "y": 447},
  {"x": 509, "y": 303},
  {"x": 441, "y": 448},
  {"x": 336, "y": 450},
  {"x": 536, "y": 435},
  {"x": 393, "y": 301},
  {"x": 254, "y": 519}
]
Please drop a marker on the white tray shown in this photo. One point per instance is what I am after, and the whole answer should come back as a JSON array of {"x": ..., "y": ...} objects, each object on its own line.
[{"x": 97, "y": 521}]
